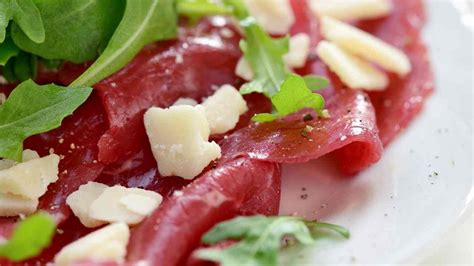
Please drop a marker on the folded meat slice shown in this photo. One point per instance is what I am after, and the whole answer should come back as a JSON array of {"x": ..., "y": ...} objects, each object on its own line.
[
  {"x": 202, "y": 59},
  {"x": 397, "y": 106},
  {"x": 350, "y": 132},
  {"x": 239, "y": 187}
]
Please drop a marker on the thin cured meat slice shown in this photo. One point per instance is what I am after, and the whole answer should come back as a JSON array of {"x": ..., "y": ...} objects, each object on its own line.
[
  {"x": 403, "y": 100},
  {"x": 350, "y": 131},
  {"x": 242, "y": 186},
  {"x": 202, "y": 59}
]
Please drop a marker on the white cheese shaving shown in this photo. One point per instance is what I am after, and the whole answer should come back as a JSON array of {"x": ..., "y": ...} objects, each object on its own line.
[
  {"x": 353, "y": 71},
  {"x": 365, "y": 45},
  {"x": 223, "y": 109},
  {"x": 243, "y": 69},
  {"x": 96, "y": 204},
  {"x": 13, "y": 205},
  {"x": 275, "y": 16},
  {"x": 30, "y": 179},
  {"x": 114, "y": 205},
  {"x": 185, "y": 101},
  {"x": 352, "y": 9},
  {"x": 179, "y": 140},
  {"x": 80, "y": 201},
  {"x": 106, "y": 244},
  {"x": 298, "y": 52}
]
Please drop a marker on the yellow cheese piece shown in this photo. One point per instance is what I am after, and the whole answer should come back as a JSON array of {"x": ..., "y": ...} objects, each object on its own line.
[
  {"x": 365, "y": 45},
  {"x": 106, "y": 244},
  {"x": 13, "y": 205},
  {"x": 353, "y": 72},
  {"x": 223, "y": 109},
  {"x": 30, "y": 179},
  {"x": 115, "y": 205},
  {"x": 275, "y": 16},
  {"x": 179, "y": 140},
  {"x": 352, "y": 9},
  {"x": 81, "y": 200}
]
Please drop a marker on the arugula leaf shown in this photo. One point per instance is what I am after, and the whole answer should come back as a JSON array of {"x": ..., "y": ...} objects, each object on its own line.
[
  {"x": 315, "y": 83},
  {"x": 143, "y": 22},
  {"x": 26, "y": 15},
  {"x": 75, "y": 30},
  {"x": 265, "y": 56},
  {"x": 21, "y": 117},
  {"x": 7, "y": 50},
  {"x": 30, "y": 237},
  {"x": 293, "y": 96},
  {"x": 260, "y": 238},
  {"x": 195, "y": 9}
]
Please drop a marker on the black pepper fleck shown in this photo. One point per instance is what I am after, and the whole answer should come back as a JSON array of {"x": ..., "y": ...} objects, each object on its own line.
[
  {"x": 304, "y": 196},
  {"x": 308, "y": 117}
]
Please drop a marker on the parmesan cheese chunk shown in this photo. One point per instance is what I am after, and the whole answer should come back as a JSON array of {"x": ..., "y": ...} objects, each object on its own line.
[
  {"x": 81, "y": 200},
  {"x": 30, "y": 179},
  {"x": 179, "y": 140},
  {"x": 275, "y": 16},
  {"x": 366, "y": 46},
  {"x": 223, "y": 109},
  {"x": 298, "y": 52},
  {"x": 106, "y": 244},
  {"x": 352, "y": 9},
  {"x": 13, "y": 205},
  {"x": 354, "y": 72},
  {"x": 115, "y": 205},
  {"x": 243, "y": 69},
  {"x": 185, "y": 101}
]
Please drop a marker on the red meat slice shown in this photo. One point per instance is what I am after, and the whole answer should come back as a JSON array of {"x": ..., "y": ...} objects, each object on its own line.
[
  {"x": 403, "y": 100},
  {"x": 242, "y": 186},
  {"x": 160, "y": 74},
  {"x": 350, "y": 131}
]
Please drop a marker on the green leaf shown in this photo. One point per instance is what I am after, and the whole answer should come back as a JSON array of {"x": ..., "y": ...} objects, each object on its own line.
[
  {"x": 195, "y": 9},
  {"x": 32, "y": 109},
  {"x": 143, "y": 22},
  {"x": 314, "y": 82},
  {"x": 7, "y": 50},
  {"x": 21, "y": 67},
  {"x": 263, "y": 53},
  {"x": 26, "y": 16},
  {"x": 30, "y": 237},
  {"x": 293, "y": 96},
  {"x": 259, "y": 238},
  {"x": 75, "y": 30},
  {"x": 265, "y": 56}
]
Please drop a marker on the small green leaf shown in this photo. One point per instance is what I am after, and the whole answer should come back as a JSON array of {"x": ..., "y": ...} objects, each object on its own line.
[
  {"x": 7, "y": 50},
  {"x": 265, "y": 56},
  {"x": 143, "y": 22},
  {"x": 196, "y": 9},
  {"x": 265, "y": 117},
  {"x": 30, "y": 237},
  {"x": 293, "y": 96},
  {"x": 314, "y": 82},
  {"x": 259, "y": 239},
  {"x": 75, "y": 30},
  {"x": 26, "y": 16},
  {"x": 32, "y": 109}
]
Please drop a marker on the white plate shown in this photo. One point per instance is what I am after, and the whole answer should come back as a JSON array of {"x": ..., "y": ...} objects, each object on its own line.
[{"x": 399, "y": 207}]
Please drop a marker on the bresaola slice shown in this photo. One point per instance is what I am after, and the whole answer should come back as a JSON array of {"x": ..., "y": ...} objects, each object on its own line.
[
  {"x": 350, "y": 132},
  {"x": 201, "y": 60},
  {"x": 238, "y": 187}
]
